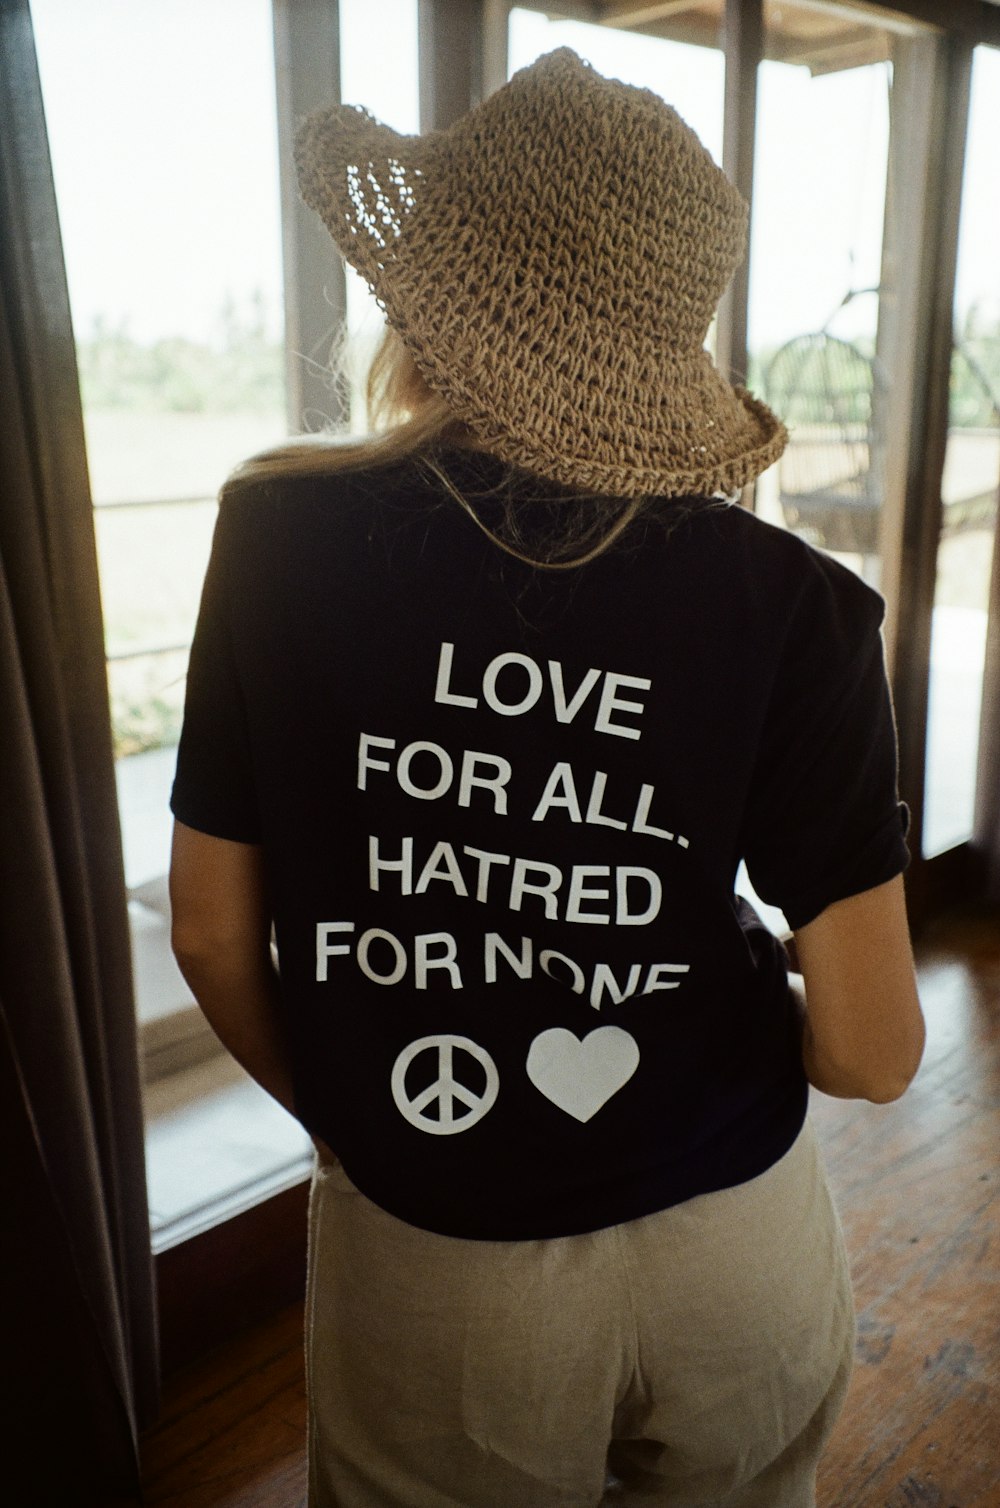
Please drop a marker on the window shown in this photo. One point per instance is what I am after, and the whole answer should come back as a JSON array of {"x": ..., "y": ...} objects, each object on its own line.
[
  {"x": 165, "y": 163},
  {"x": 164, "y": 152},
  {"x": 172, "y": 238},
  {"x": 970, "y": 483}
]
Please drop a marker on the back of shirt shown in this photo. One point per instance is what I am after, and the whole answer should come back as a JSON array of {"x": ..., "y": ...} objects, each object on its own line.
[{"x": 502, "y": 811}]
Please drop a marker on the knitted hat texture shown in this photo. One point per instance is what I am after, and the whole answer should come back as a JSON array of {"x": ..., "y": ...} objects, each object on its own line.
[{"x": 553, "y": 261}]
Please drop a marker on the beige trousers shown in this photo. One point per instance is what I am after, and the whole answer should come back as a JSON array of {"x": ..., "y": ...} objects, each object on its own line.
[{"x": 698, "y": 1356}]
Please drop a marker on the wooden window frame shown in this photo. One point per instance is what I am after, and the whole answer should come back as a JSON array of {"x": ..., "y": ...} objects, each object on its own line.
[{"x": 307, "y": 77}]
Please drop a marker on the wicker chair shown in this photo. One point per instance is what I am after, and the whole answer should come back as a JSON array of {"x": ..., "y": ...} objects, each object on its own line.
[{"x": 830, "y": 476}]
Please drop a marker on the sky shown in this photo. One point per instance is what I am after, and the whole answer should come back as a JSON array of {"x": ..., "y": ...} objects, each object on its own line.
[{"x": 161, "y": 114}]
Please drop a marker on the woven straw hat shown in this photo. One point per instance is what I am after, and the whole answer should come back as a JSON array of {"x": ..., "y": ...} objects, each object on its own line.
[{"x": 553, "y": 261}]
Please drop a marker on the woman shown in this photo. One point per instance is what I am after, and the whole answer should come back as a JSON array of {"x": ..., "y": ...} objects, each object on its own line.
[{"x": 483, "y": 715}]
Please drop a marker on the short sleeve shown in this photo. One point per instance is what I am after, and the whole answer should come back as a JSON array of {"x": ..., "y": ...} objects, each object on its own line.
[
  {"x": 213, "y": 789},
  {"x": 823, "y": 817}
]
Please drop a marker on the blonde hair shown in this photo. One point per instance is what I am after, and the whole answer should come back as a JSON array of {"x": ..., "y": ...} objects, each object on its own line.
[{"x": 408, "y": 420}]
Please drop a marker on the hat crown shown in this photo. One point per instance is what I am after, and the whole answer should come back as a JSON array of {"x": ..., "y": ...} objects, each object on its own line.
[{"x": 600, "y": 195}]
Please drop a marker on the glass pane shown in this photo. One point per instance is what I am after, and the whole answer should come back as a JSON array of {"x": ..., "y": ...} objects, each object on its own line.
[
  {"x": 163, "y": 133},
  {"x": 171, "y": 233},
  {"x": 970, "y": 483},
  {"x": 164, "y": 154},
  {"x": 816, "y": 269},
  {"x": 152, "y": 562},
  {"x": 386, "y": 82}
]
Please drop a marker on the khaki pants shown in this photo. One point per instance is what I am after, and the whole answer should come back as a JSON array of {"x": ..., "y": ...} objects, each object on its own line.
[{"x": 696, "y": 1356}]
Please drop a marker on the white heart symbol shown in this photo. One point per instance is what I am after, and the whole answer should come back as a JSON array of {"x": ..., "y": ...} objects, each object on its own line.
[{"x": 578, "y": 1076}]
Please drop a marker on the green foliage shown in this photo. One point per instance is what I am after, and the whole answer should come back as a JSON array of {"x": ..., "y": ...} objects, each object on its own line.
[
  {"x": 178, "y": 375},
  {"x": 974, "y": 387},
  {"x": 241, "y": 373},
  {"x": 138, "y": 727},
  {"x": 146, "y": 696}
]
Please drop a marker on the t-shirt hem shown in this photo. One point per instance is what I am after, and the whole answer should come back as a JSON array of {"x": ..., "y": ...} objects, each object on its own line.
[{"x": 535, "y": 1220}]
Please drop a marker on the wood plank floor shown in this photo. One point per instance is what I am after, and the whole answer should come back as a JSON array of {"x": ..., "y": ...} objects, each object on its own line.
[
  {"x": 917, "y": 1185},
  {"x": 232, "y": 1429}
]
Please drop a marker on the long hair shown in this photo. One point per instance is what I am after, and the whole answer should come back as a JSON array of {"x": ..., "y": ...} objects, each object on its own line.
[{"x": 557, "y": 530}]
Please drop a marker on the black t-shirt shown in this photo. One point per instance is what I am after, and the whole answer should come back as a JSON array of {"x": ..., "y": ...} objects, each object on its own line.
[{"x": 502, "y": 812}]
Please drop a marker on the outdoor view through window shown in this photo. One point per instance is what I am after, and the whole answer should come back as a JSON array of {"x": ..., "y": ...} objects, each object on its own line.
[
  {"x": 165, "y": 162},
  {"x": 164, "y": 154}
]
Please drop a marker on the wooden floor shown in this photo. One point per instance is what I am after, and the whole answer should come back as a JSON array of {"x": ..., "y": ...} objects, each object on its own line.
[{"x": 917, "y": 1185}]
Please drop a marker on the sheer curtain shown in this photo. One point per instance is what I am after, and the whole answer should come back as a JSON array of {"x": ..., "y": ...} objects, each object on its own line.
[{"x": 76, "y": 1301}]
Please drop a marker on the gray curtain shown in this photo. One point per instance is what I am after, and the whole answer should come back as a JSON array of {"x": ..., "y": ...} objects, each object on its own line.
[{"x": 77, "y": 1328}]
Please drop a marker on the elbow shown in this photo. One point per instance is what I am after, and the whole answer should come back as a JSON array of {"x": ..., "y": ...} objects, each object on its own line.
[
  {"x": 189, "y": 946},
  {"x": 200, "y": 955},
  {"x": 891, "y": 1081},
  {"x": 205, "y": 953},
  {"x": 877, "y": 1072},
  {"x": 892, "y": 1086},
  {"x": 886, "y": 1092},
  {"x": 193, "y": 958}
]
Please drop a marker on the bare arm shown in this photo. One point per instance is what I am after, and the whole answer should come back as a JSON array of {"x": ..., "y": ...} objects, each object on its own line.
[
  {"x": 863, "y": 1029},
  {"x": 221, "y": 937}
]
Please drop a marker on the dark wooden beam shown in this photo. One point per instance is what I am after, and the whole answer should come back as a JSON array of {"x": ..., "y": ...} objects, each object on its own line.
[
  {"x": 902, "y": 347},
  {"x": 986, "y": 827},
  {"x": 850, "y": 48},
  {"x": 743, "y": 40},
  {"x": 976, "y": 20},
  {"x": 919, "y": 382},
  {"x": 571, "y": 10},
  {"x": 694, "y": 29},
  {"x": 626, "y": 13},
  {"x": 493, "y": 49},
  {"x": 964, "y": 17},
  {"x": 307, "y": 77},
  {"x": 449, "y": 48},
  {"x": 989, "y": 24}
]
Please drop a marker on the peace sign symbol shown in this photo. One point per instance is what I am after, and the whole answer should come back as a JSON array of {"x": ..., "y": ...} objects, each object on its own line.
[{"x": 446, "y": 1089}]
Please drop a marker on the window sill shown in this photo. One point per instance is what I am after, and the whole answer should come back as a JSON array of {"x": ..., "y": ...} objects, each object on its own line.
[{"x": 216, "y": 1145}]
